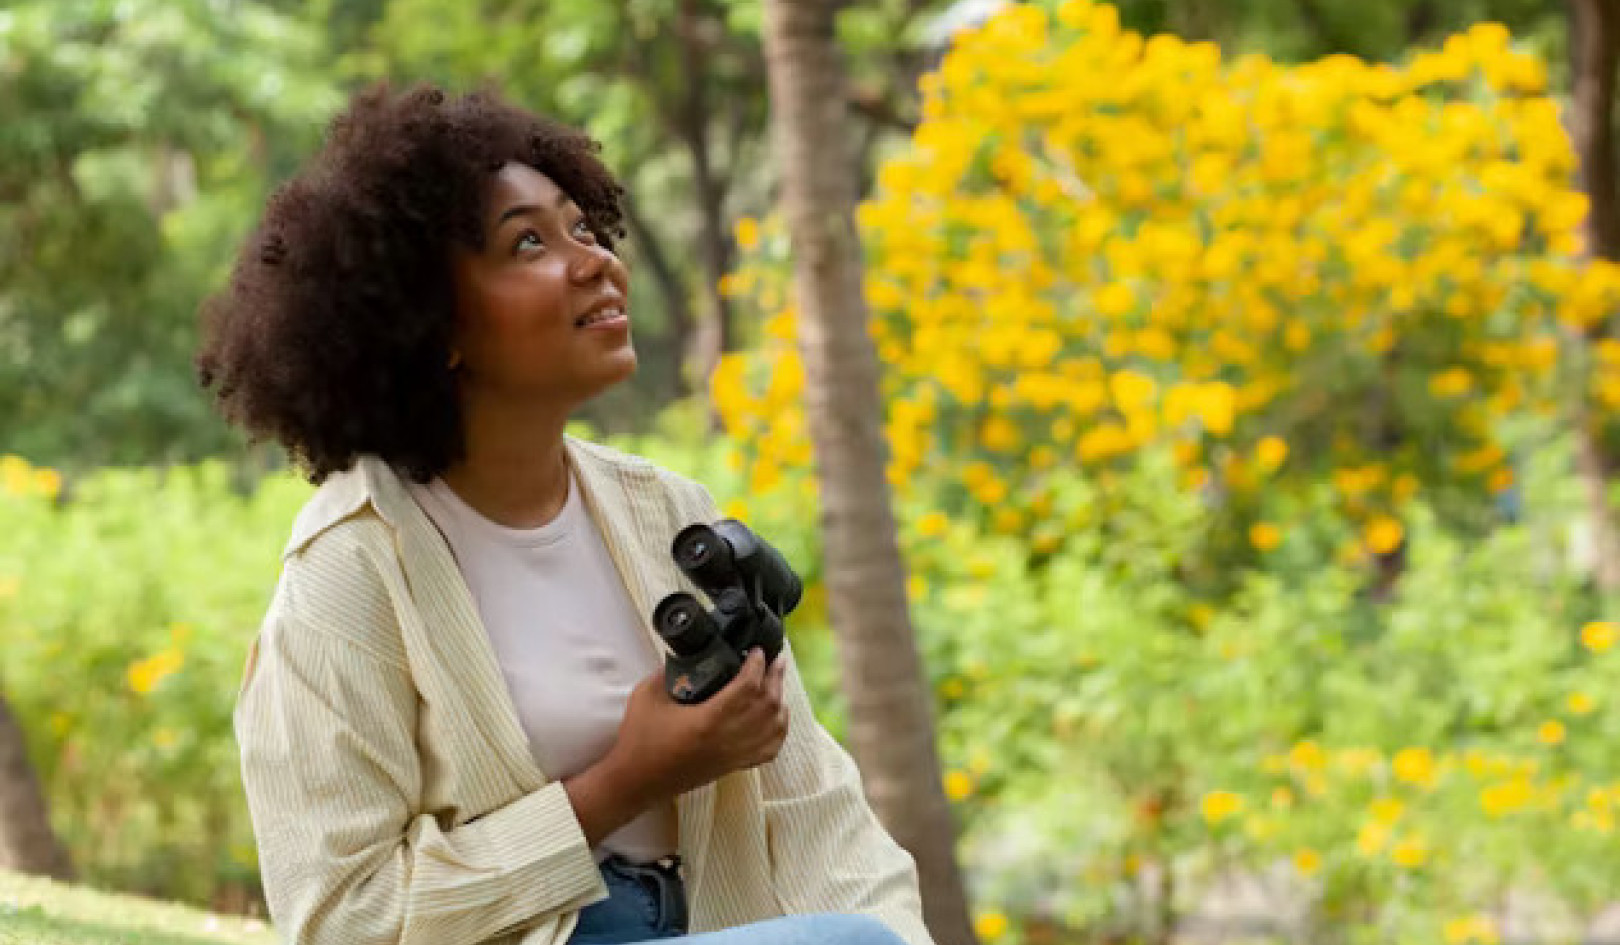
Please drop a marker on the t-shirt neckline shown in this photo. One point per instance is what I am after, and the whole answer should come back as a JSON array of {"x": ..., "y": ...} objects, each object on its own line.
[{"x": 561, "y": 526}]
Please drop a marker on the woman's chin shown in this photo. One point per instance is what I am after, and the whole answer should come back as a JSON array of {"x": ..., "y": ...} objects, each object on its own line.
[{"x": 616, "y": 368}]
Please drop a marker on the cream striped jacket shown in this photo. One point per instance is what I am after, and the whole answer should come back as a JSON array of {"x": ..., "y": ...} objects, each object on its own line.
[{"x": 393, "y": 794}]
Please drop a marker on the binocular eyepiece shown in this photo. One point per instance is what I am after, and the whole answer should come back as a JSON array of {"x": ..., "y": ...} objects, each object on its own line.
[{"x": 752, "y": 588}]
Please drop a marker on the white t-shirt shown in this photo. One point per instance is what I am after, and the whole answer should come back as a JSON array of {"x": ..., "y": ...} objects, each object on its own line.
[{"x": 570, "y": 644}]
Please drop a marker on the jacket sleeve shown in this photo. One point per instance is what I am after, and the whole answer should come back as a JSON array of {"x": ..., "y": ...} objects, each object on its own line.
[
  {"x": 326, "y": 724},
  {"x": 828, "y": 851}
]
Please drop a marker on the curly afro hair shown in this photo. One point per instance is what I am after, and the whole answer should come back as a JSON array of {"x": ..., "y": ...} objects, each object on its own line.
[{"x": 333, "y": 335}]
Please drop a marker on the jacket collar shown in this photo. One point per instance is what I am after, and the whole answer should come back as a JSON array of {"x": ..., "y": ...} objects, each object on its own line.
[{"x": 604, "y": 475}]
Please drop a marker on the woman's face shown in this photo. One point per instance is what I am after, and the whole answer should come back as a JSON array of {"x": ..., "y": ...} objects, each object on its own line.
[{"x": 542, "y": 311}]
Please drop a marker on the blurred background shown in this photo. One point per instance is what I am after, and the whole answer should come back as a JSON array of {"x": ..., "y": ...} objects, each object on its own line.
[{"x": 1250, "y": 383}]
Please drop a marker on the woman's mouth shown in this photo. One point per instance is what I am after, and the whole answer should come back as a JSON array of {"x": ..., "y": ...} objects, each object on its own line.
[{"x": 602, "y": 317}]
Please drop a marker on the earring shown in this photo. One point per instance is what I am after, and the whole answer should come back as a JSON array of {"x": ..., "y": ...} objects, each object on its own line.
[{"x": 455, "y": 360}]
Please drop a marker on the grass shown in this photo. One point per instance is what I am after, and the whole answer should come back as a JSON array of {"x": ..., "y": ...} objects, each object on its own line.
[{"x": 36, "y": 911}]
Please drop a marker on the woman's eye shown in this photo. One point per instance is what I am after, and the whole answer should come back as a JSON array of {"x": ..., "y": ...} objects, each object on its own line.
[
  {"x": 583, "y": 231},
  {"x": 527, "y": 240}
]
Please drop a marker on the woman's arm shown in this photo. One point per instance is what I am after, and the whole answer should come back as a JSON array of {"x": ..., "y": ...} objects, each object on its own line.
[{"x": 327, "y": 729}]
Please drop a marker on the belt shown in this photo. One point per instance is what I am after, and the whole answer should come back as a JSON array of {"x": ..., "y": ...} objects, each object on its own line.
[{"x": 662, "y": 880}]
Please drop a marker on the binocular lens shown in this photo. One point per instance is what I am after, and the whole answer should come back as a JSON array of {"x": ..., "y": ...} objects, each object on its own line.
[
  {"x": 684, "y": 624},
  {"x": 695, "y": 548}
]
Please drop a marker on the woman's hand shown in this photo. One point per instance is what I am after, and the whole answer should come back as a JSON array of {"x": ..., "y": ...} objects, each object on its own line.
[
  {"x": 665, "y": 748},
  {"x": 669, "y": 748}
]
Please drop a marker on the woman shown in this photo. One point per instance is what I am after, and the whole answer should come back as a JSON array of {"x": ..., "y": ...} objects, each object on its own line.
[{"x": 452, "y": 723}]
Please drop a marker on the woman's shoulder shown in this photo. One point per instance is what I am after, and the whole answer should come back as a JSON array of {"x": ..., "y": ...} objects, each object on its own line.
[
  {"x": 339, "y": 570},
  {"x": 344, "y": 497},
  {"x": 639, "y": 472}
]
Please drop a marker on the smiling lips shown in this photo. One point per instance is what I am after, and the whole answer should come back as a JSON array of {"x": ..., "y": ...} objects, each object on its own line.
[{"x": 604, "y": 314}]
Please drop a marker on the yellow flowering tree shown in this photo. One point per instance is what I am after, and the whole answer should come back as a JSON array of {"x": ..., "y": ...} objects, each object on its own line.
[
  {"x": 1175, "y": 348},
  {"x": 1099, "y": 245}
]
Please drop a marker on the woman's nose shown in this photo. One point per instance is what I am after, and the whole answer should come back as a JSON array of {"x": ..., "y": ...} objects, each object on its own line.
[{"x": 590, "y": 260}]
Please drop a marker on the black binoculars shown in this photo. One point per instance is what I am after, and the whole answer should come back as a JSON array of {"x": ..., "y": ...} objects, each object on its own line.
[{"x": 752, "y": 589}]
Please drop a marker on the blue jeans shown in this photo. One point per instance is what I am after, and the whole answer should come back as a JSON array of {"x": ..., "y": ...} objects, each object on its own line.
[{"x": 648, "y": 902}]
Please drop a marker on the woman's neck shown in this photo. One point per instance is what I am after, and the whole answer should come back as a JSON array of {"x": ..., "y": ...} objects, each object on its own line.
[{"x": 515, "y": 470}]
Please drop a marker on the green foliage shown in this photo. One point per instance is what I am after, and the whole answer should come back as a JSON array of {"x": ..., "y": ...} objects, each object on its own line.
[
  {"x": 40, "y": 912},
  {"x": 136, "y": 140},
  {"x": 125, "y": 614},
  {"x": 1406, "y": 762}
]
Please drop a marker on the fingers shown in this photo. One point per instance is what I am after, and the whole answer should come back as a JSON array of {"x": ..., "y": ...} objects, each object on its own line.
[
  {"x": 751, "y": 678},
  {"x": 743, "y": 688},
  {"x": 776, "y": 679},
  {"x": 652, "y": 687},
  {"x": 776, "y": 734}
]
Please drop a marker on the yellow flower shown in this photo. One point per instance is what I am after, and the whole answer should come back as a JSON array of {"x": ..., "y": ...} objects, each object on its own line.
[
  {"x": 1506, "y": 797},
  {"x": 1000, "y": 435},
  {"x": 1307, "y": 755},
  {"x": 1453, "y": 382},
  {"x": 1270, "y": 452},
  {"x": 1383, "y": 535},
  {"x": 1307, "y": 861},
  {"x": 1410, "y": 853},
  {"x": 1551, "y": 732},
  {"x": 1386, "y": 810},
  {"x": 1131, "y": 390},
  {"x": 48, "y": 482},
  {"x": 145, "y": 675},
  {"x": 958, "y": 785},
  {"x": 748, "y": 233},
  {"x": 1265, "y": 536},
  {"x": 1104, "y": 441},
  {"x": 990, "y": 925},
  {"x": 933, "y": 525},
  {"x": 16, "y": 476},
  {"x": 1599, "y": 635},
  {"x": 1472, "y": 929},
  {"x": 1220, "y": 805},
  {"x": 1580, "y": 703},
  {"x": 1008, "y": 519},
  {"x": 1114, "y": 300},
  {"x": 1372, "y": 838},
  {"x": 1415, "y": 766},
  {"x": 1260, "y": 827}
]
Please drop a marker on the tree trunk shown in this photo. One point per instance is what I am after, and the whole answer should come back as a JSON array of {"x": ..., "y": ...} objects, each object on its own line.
[
  {"x": 1594, "y": 47},
  {"x": 27, "y": 842},
  {"x": 716, "y": 334},
  {"x": 891, "y": 715}
]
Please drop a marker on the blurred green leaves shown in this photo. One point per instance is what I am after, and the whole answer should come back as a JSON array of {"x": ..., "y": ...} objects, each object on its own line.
[{"x": 137, "y": 139}]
